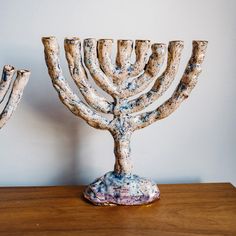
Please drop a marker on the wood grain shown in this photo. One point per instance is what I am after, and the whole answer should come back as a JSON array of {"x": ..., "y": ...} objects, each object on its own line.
[{"x": 184, "y": 209}]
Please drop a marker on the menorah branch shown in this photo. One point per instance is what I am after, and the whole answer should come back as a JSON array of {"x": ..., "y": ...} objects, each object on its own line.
[
  {"x": 150, "y": 73},
  {"x": 183, "y": 90},
  {"x": 123, "y": 68},
  {"x": 124, "y": 51},
  {"x": 162, "y": 83},
  {"x": 72, "y": 101},
  {"x": 141, "y": 51},
  {"x": 16, "y": 93},
  {"x": 79, "y": 75},
  {"x": 91, "y": 62}
]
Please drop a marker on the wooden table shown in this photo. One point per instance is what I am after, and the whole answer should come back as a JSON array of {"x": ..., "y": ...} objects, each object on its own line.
[{"x": 184, "y": 209}]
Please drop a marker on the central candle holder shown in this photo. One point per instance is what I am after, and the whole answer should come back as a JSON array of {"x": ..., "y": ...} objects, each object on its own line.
[{"x": 121, "y": 81}]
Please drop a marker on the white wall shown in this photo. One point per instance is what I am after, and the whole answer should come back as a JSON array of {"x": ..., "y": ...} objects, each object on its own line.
[{"x": 44, "y": 144}]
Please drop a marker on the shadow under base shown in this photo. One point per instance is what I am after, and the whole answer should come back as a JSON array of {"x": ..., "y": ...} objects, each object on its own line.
[{"x": 121, "y": 189}]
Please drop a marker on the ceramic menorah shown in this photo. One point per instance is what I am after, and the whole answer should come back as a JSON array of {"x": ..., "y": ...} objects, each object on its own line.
[
  {"x": 122, "y": 80},
  {"x": 16, "y": 91}
]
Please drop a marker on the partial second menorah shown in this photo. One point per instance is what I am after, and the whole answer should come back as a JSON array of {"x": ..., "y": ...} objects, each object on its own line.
[{"x": 17, "y": 89}]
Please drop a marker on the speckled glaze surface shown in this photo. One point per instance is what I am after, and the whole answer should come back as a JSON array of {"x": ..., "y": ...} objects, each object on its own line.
[
  {"x": 16, "y": 91},
  {"x": 122, "y": 80},
  {"x": 122, "y": 189}
]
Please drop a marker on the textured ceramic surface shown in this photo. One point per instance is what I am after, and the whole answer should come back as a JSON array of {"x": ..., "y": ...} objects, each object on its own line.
[
  {"x": 16, "y": 91},
  {"x": 122, "y": 189},
  {"x": 122, "y": 80}
]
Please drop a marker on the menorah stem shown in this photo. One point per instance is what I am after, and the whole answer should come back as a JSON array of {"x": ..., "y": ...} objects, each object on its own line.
[
  {"x": 121, "y": 130},
  {"x": 123, "y": 163}
]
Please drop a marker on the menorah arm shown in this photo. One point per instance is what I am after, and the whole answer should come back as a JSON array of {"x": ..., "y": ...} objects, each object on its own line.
[
  {"x": 124, "y": 51},
  {"x": 141, "y": 51},
  {"x": 162, "y": 83},
  {"x": 123, "y": 68},
  {"x": 15, "y": 96},
  {"x": 152, "y": 69},
  {"x": 183, "y": 90},
  {"x": 5, "y": 82},
  {"x": 78, "y": 73},
  {"x": 71, "y": 100},
  {"x": 91, "y": 62},
  {"x": 119, "y": 71},
  {"x": 78, "y": 108}
]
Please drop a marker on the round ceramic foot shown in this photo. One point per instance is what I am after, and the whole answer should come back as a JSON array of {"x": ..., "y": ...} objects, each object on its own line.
[{"x": 114, "y": 189}]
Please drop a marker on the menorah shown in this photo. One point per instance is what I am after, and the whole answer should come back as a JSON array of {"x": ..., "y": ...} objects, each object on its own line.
[
  {"x": 122, "y": 80},
  {"x": 16, "y": 91}
]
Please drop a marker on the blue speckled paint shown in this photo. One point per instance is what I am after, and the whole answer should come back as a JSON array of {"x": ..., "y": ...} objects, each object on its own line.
[
  {"x": 4, "y": 76},
  {"x": 122, "y": 189}
]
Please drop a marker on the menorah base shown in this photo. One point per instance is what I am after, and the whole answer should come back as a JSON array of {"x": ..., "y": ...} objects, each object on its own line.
[{"x": 114, "y": 189}]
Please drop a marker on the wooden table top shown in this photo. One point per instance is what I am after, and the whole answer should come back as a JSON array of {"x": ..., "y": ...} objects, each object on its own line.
[{"x": 184, "y": 209}]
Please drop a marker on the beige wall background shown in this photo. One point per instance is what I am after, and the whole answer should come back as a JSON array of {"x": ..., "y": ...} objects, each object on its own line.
[{"x": 44, "y": 144}]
